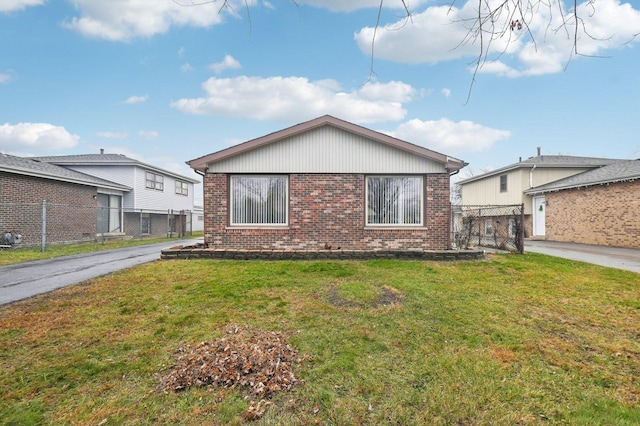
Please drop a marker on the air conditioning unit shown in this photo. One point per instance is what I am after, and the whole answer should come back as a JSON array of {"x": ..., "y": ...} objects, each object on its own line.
[{"x": 11, "y": 239}]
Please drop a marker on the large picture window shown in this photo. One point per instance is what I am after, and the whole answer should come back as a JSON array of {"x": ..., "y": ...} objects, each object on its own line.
[
  {"x": 259, "y": 200},
  {"x": 394, "y": 200}
]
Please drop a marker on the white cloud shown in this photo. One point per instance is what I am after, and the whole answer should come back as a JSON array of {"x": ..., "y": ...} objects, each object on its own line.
[
  {"x": 441, "y": 33},
  {"x": 186, "y": 67},
  {"x": 446, "y": 92},
  {"x": 135, "y": 100},
  {"x": 448, "y": 136},
  {"x": 149, "y": 134},
  {"x": 124, "y": 20},
  {"x": 15, "y": 5},
  {"x": 15, "y": 137},
  {"x": 228, "y": 63},
  {"x": 4, "y": 78},
  {"x": 113, "y": 135},
  {"x": 351, "y": 5},
  {"x": 429, "y": 37},
  {"x": 297, "y": 98}
]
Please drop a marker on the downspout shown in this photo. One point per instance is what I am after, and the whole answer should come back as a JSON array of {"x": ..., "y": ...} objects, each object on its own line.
[{"x": 531, "y": 176}]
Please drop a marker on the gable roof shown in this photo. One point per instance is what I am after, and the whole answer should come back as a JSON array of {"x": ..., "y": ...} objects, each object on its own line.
[
  {"x": 546, "y": 161},
  {"x": 450, "y": 163},
  {"x": 107, "y": 160},
  {"x": 36, "y": 168},
  {"x": 618, "y": 171}
]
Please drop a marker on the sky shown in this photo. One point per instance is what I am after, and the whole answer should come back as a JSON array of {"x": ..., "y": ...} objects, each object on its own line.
[{"x": 167, "y": 81}]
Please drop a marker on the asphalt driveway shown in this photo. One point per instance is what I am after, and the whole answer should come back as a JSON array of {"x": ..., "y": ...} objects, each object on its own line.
[
  {"x": 24, "y": 280},
  {"x": 613, "y": 257}
]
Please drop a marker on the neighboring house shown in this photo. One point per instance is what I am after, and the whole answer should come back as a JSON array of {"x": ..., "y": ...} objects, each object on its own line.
[
  {"x": 26, "y": 183},
  {"x": 531, "y": 183},
  {"x": 600, "y": 206},
  {"x": 327, "y": 184},
  {"x": 197, "y": 219},
  {"x": 160, "y": 201}
]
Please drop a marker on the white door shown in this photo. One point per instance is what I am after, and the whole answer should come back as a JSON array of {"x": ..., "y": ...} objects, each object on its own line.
[{"x": 539, "y": 211}]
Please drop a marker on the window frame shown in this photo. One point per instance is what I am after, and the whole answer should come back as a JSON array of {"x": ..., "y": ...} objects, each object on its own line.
[
  {"x": 488, "y": 228},
  {"x": 233, "y": 223},
  {"x": 503, "y": 183},
  {"x": 154, "y": 181},
  {"x": 421, "y": 195},
  {"x": 182, "y": 187}
]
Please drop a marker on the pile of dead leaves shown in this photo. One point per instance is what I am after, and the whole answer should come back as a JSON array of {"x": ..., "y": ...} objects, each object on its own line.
[{"x": 259, "y": 360}]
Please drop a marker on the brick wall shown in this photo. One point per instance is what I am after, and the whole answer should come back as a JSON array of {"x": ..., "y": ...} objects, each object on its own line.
[
  {"x": 328, "y": 209},
  {"x": 603, "y": 215},
  {"x": 71, "y": 209}
]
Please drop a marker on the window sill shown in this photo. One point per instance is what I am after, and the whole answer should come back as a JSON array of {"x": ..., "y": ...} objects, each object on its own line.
[
  {"x": 395, "y": 228},
  {"x": 270, "y": 227}
]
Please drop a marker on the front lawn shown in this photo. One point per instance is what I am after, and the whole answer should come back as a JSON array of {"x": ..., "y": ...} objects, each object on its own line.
[{"x": 513, "y": 340}]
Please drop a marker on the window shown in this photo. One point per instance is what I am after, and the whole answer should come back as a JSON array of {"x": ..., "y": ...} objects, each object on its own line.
[
  {"x": 145, "y": 223},
  {"x": 513, "y": 228},
  {"x": 182, "y": 188},
  {"x": 503, "y": 183},
  {"x": 154, "y": 181},
  {"x": 394, "y": 200},
  {"x": 109, "y": 213},
  {"x": 488, "y": 228},
  {"x": 259, "y": 200}
]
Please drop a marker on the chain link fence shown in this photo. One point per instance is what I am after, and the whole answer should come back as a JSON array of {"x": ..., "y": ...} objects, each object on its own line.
[
  {"x": 54, "y": 223},
  {"x": 496, "y": 226}
]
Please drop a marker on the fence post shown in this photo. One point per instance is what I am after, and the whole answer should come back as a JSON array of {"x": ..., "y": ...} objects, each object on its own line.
[
  {"x": 43, "y": 244},
  {"x": 479, "y": 227},
  {"x": 521, "y": 230}
]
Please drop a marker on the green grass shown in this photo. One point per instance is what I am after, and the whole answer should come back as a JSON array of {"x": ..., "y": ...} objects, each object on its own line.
[
  {"x": 517, "y": 339},
  {"x": 19, "y": 255}
]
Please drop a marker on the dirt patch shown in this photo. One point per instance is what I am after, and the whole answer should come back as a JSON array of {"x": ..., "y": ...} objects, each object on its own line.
[{"x": 387, "y": 296}]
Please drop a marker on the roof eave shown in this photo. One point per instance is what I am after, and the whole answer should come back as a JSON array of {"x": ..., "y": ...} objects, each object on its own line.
[
  {"x": 534, "y": 191},
  {"x": 130, "y": 163},
  {"x": 32, "y": 173}
]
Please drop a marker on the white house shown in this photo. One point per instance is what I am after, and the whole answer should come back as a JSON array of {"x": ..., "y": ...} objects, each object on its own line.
[{"x": 159, "y": 200}]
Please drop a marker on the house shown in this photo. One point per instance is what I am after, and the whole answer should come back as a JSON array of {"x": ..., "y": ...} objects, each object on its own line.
[
  {"x": 33, "y": 191},
  {"x": 159, "y": 201},
  {"x": 197, "y": 219},
  {"x": 327, "y": 184},
  {"x": 542, "y": 181},
  {"x": 600, "y": 206}
]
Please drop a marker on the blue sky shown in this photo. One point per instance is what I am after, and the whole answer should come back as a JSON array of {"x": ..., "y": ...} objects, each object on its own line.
[{"x": 166, "y": 83}]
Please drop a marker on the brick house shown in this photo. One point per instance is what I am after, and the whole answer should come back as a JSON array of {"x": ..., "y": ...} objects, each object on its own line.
[
  {"x": 25, "y": 183},
  {"x": 327, "y": 183},
  {"x": 600, "y": 206},
  {"x": 511, "y": 184}
]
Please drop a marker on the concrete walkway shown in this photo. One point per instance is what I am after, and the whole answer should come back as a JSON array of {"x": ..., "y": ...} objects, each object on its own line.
[{"x": 613, "y": 257}]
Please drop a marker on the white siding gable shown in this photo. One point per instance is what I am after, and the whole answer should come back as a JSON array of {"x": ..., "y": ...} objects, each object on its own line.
[
  {"x": 141, "y": 197},
  {"x": 326, "y": 150},
  {"x": 164, "y": 200}
]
